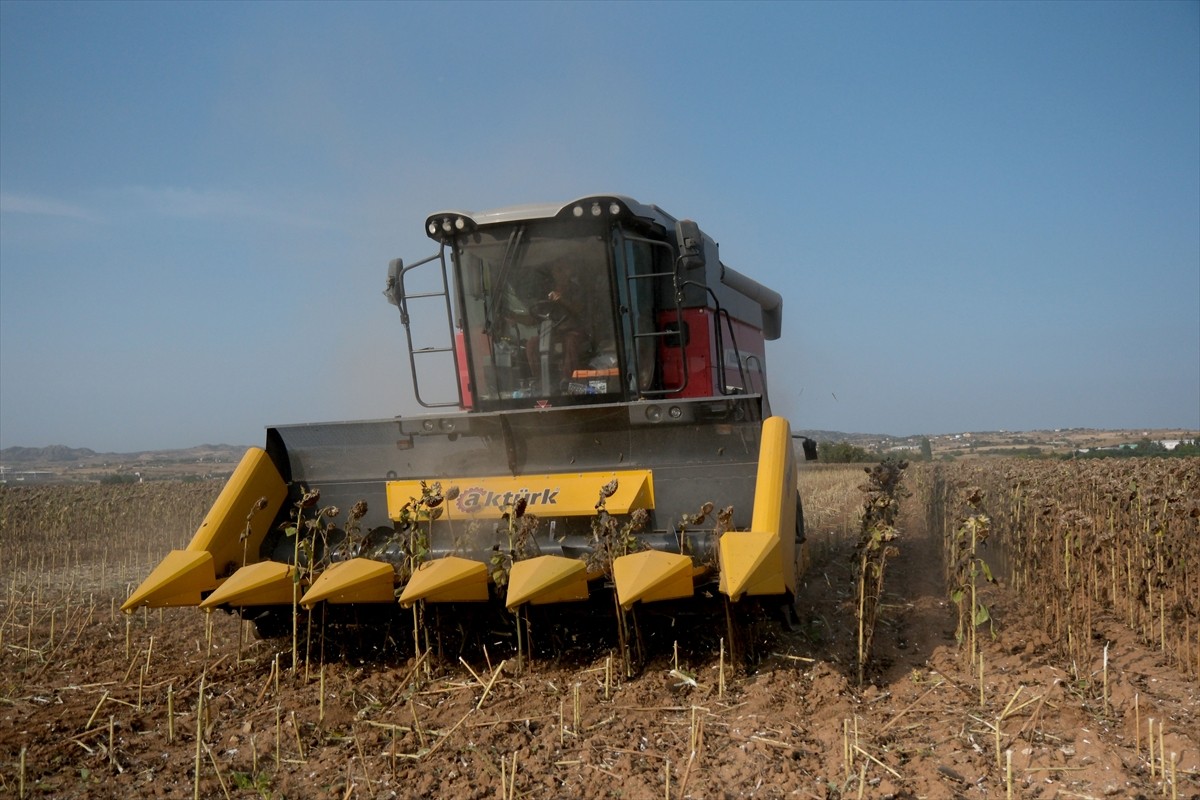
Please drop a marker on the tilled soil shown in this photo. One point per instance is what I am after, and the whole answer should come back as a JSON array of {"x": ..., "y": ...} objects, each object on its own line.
[{"x": 109, "y": 710}]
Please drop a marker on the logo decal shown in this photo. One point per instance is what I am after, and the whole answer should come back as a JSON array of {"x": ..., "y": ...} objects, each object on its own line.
[{"x": 476, "y": 499}]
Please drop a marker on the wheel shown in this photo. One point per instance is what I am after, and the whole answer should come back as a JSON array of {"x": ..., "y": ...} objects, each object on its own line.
[
  {"x": 270, "y": 623},
  {"x": 801, "y": 555},
  {"x": 800, "y": 535}
]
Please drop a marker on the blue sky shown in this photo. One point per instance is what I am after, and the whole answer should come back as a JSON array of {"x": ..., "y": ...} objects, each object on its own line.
[{"x": 980, "y": 215}]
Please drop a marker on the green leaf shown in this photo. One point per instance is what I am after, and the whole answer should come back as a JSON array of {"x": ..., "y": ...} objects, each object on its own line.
[
  {"x": 956, "y": 596},
  {"x": 981, "y": 615}
]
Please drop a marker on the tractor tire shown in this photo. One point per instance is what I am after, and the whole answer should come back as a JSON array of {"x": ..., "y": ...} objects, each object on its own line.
[{"x": 271, "y": 623}]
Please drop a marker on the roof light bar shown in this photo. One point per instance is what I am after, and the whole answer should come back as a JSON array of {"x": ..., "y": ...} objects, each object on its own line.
[
  {"x": 442, "y": 227},
  {"x": 597, "y": 207}
]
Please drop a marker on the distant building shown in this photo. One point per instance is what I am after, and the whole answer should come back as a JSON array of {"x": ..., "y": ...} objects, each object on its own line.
[{"x": 9, "y": 475}]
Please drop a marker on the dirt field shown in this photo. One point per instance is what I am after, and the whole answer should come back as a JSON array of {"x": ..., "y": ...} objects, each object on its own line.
[{"x": 94, "y": 705}]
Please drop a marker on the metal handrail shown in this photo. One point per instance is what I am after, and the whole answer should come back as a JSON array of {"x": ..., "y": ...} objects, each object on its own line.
[{"x": 402, "y": 299}]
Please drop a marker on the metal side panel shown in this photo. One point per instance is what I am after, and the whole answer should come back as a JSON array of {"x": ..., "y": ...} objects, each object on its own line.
[{"x": 696, "y": 451}]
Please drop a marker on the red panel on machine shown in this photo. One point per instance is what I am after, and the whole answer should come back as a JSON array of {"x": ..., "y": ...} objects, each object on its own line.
[
  {"x": 464, "y": 375},
  {"x": 698, "y": 350},
  {"x": 704, "y": 363}
]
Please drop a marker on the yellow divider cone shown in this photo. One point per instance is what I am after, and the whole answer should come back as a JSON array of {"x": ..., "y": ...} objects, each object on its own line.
[
  {"x": 178, "y": 580},
  {"x": 223, "y": 527},
  {"x": 268, "y": 583},
  {"x": 762, "y": 559},
  {"x": 217, "y": 547},
  {"x": 447, "y": 580},
  {"x": 359, "y": 580},
  {"x": 546, "y": 579},
  {"x": 751, "y": 563},
  {"x": 652, "y": 575}
]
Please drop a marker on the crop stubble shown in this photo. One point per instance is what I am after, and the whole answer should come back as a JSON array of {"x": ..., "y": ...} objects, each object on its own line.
[{"x": 98, "y": 705}]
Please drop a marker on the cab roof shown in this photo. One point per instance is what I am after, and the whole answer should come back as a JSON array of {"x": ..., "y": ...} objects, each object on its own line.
[{"x": 541, "y": 211}]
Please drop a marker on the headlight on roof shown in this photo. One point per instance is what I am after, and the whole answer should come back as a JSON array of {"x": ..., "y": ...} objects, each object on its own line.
[{"x": 441, "y": 227}]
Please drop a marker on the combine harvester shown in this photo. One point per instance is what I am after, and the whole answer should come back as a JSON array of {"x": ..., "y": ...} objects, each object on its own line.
[{"x": 603, "y": 382}]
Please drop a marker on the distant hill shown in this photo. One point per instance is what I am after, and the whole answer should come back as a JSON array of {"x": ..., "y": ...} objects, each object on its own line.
[
  {"x": 55, "y": 453},
  {"x": 61, "y": 463},
  {"x": 58, "y": 454}
]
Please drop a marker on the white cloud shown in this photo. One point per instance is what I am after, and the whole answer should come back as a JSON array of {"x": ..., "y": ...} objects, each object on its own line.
[
  {"x": 42, "y": 206},
  {"x": 182, "y": 203},
  {"x": 188, "y": 203},
  {"x": 203, "y": 204}
]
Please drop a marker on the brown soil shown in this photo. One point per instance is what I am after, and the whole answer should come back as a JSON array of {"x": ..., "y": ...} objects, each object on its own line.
[{"x": 792, "y": 725}]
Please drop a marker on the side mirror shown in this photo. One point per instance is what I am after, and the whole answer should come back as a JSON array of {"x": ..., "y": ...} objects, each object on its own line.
[
  {"x": 392, "y": 290},
  {"x": 809, "y": 446},
  {"x": 691, "y": 244}
]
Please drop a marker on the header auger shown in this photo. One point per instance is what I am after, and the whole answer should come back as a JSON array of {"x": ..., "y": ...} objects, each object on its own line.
[{"x": 596, "y": 381}]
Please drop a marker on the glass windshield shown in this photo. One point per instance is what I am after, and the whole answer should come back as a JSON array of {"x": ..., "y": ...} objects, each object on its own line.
[{"x": 538, "y": 312}]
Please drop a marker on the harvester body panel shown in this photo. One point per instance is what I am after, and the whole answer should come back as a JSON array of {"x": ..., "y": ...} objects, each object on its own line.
[
  {"x": 597, "y": 415},
  {"x": 670, "y": 464}
]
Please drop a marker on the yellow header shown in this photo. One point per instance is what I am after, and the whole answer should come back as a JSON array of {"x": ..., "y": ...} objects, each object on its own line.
[{"x": 555, "y": 495}]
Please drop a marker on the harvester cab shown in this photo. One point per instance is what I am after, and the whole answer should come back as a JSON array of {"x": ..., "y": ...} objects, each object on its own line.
[
  {"x": 598, "y": 421},
  {"x": 600, "y": 300}
]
